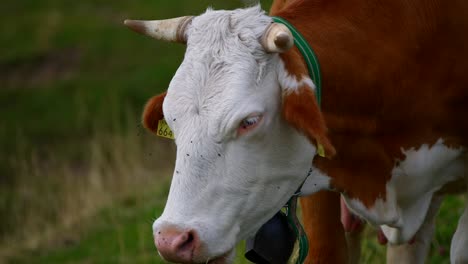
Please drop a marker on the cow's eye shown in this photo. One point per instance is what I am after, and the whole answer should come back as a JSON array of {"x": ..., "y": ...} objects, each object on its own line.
[{"x": 249, "y": 123}]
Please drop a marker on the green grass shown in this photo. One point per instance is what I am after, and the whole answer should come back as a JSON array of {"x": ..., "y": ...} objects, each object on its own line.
[
  {"x": 122, "y": 234},
  {"x": 101, "y": 65},
  {"x": 118, "y": 234},
  {"x": 446, "y": 224}
]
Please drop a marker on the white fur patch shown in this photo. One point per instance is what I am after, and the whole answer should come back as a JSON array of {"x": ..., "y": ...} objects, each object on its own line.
[
  {"x": 290, "y": 83},
  {"x": 410, "y": 190},
  {"x": 417, "y": 252},
  {"x": 383, "y": 211},
  {"x": 316, "y": 181},
  {"x": 423, "y": 172},
  {"x": 411, "y": 218}
]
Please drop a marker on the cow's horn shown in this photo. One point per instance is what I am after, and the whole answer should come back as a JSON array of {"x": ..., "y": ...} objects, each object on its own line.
[
  {"x": 277, "y": 38},
  {"x": 169, "y": 29}
]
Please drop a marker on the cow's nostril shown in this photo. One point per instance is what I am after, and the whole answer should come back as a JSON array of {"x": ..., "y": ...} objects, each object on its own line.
[
  {"x": 188, "y": 243},
  {"x": 175, "y": 245}
]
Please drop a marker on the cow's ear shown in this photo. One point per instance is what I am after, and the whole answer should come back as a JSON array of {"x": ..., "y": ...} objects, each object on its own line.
[
  {"x": 153, "y": 112},
  {"x": 300, "y": 108}
]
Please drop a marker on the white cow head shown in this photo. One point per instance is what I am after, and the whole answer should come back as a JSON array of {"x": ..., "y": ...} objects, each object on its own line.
[{"x": 245, "y": 130}]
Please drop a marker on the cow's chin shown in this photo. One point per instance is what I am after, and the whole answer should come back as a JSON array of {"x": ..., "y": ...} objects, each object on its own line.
[{"x": 226, "y": 258}]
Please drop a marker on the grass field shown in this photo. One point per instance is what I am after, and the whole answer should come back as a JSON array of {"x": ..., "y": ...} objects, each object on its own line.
[
  {"x": 80, "y": 180},
  {"x": 122, "y": 234}
]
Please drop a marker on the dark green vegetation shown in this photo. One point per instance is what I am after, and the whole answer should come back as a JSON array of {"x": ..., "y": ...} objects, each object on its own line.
[{"x": 80, "y": 181}]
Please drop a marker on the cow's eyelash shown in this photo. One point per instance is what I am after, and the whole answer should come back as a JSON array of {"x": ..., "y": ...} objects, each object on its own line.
[{"x": 249, "y": 121}]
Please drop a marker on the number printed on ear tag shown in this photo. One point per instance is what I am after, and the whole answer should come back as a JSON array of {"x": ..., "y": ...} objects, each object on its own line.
[{"x": 164, "y": 130}]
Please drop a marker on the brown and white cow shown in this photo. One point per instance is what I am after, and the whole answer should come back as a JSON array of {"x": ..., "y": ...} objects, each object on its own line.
[{"x": 393, "y": 122}]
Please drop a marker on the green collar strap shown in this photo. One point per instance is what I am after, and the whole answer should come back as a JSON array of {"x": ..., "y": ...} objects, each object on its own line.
[
  {"x": 301, "y": 247},
  {"x": 309, "y": 56}
]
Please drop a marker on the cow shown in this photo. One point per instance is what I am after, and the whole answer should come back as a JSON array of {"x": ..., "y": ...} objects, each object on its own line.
[{"x": 391, "y": 131}]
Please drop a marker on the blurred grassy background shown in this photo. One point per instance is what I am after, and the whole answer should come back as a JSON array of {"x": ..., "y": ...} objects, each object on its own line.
[{"x": 80, "y": 180}]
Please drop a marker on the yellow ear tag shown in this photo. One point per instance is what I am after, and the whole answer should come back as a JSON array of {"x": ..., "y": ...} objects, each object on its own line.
[
  {"x": 164, "y": 130},
  {"x": 320, "y": 150}
]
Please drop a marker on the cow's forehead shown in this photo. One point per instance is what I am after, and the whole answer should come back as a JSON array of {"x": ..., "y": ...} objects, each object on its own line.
[
  {"x": 226, "y": 31},
  {"x": 223, "y": 45},
  {"x": 223, "y": 67}
]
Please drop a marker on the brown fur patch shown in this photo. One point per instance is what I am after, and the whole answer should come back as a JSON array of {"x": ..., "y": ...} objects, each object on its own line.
[
  {"x": 300, "y": 110},
  {"x": 389, "y": 82},
  {"x": 278, "y": 5},
  {"x": 321, "y": 214}
]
